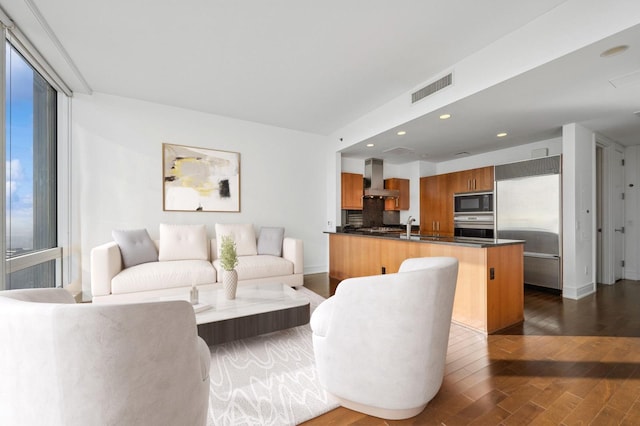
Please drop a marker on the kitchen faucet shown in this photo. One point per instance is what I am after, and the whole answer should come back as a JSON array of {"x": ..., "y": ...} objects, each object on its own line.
[{"x": 409, "y": 222}]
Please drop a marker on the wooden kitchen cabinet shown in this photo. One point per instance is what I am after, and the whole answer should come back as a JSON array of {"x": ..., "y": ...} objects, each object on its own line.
[
  {"x": 483, "y": 178},
  {"x": 480, "y": 179},
  {"x": 436, "y": 197},
  {"x": 402, "y": 202},
  {"x": 352, "y": 191},
  {"x": 436, "y": 205}
]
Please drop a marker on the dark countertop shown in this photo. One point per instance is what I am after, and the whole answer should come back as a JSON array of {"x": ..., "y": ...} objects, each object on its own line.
[{"x": 456, "y": 241}]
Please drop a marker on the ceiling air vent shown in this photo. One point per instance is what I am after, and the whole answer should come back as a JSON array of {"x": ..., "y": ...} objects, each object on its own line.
[
  {"x": 399, "y": 150},
  {"x": 432, "y": 88}
]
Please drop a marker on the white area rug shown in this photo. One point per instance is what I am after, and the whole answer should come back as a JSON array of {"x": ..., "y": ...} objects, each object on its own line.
[{"x": 267, "y": 380}]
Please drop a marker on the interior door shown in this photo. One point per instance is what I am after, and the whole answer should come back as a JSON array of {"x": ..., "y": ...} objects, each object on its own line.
[{"x": 617, "y": 213}]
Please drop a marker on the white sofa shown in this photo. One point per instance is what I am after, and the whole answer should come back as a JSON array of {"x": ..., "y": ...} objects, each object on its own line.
[
  {"x": 380, "y": 342},
  {"x": 180, "y": 265},
  {"x": 63, "y": 363}
]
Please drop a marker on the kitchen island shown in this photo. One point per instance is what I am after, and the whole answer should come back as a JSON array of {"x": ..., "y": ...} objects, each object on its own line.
[{"x": 490, "y": 287}]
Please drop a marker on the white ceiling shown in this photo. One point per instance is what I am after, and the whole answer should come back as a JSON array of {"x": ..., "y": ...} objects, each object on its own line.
[
  {"x": 533, "y": 106},
  {"x": 316, "y": 66}
]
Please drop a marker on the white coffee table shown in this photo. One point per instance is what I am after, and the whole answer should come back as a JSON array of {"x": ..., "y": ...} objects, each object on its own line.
[{"x": 257, "y": 309}]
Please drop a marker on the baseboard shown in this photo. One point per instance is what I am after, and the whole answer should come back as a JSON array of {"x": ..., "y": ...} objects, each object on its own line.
[
  {"x": 578, "y": 292},
  {"x": 315, "y": 269}
]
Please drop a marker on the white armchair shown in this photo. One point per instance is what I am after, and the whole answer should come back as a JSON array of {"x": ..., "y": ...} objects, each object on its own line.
[
  {"x": 63, "y": 363},
  {"x": 380, "y": 342}
]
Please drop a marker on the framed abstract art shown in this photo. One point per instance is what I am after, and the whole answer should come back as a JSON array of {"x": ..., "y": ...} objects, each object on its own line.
[{"x": 200, "y": 179}]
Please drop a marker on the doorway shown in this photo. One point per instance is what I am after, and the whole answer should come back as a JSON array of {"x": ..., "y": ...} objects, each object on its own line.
[{"x": 609, "y": 214}]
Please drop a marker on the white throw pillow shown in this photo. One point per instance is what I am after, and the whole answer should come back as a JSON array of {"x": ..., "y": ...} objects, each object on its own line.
[
  {"x": 243, "y": 235},
  {"x": 270, "y": 241},
  {"x": 183, "y": 242},
  {"x": 136, "y": 246}
]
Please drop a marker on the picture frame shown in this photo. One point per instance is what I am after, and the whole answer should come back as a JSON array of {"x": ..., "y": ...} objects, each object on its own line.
[{"x": 200, "y": 179}]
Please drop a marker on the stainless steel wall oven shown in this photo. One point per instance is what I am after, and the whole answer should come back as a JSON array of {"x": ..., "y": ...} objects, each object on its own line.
[{"x": 473, "y": 225}]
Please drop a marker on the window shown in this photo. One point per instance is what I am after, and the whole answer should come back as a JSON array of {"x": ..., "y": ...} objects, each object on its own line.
[{"x": 30, "y": 175}]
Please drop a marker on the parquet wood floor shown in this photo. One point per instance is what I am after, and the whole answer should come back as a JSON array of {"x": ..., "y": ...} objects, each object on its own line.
[{"x": 570, "y": 363}]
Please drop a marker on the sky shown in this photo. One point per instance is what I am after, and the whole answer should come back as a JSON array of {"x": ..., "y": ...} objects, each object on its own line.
[{"x": 19, "y": 152}]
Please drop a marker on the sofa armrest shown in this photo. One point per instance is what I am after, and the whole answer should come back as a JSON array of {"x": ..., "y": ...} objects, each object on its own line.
[
  {"x": 293, "y": 251},
  {"x": 106, "y": 263}
]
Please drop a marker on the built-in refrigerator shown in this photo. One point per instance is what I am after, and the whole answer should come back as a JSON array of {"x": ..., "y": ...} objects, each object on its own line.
[{"x": 528, "y": 204}]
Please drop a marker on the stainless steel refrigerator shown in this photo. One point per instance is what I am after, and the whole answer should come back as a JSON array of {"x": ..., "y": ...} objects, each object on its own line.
[{"x": 529, "y": 207}]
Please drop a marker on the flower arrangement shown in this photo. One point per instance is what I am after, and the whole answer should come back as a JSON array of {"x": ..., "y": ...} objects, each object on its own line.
[{"x": 228, "y": 254}]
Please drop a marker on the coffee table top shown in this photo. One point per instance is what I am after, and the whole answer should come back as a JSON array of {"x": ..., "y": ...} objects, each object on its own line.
[{"x": 251, "y": 299}]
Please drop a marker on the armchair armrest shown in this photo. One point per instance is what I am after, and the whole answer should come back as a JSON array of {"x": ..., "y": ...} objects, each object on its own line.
[
  {"x": 293, "y": 251},
  {"x": 106, "y": 263}
]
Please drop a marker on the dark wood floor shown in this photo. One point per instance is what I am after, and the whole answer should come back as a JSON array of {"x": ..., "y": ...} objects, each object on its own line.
[{"x": 570, "y": 363}]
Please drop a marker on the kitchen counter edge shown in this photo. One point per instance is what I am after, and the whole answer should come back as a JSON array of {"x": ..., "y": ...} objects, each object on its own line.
[{"x": 435, "y": 240}]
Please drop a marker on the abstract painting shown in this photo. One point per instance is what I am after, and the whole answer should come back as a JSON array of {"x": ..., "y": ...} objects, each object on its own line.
[{"x": 200, "y": 179}]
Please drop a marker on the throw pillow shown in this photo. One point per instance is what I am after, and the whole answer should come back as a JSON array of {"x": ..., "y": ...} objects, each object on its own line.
[
  {"x": 270, "y": 241},
  {"x": 136, "y": 246},
  {"x": 243, "y": 235},
  {"x": 183, "y": 242}
]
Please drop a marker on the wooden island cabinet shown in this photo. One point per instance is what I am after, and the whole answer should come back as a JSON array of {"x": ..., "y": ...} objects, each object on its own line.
[{"x": 490, "y": 287}]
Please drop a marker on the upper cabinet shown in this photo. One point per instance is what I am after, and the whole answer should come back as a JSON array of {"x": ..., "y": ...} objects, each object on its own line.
[
  {"x": 402, "y": 202},
  {"x": 436, "y": 197},
  {"x": 480, "y": 179},
  {"x": 352, "y": 191}
]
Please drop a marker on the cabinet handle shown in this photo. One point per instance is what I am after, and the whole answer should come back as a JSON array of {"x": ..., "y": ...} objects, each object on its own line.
[{"x": 474, "y": 184}]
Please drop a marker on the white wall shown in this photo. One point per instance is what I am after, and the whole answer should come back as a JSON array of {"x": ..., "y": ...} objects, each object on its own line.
[
  {"x": 117, "y": 172},
  {"x": 503, "y": 156}
]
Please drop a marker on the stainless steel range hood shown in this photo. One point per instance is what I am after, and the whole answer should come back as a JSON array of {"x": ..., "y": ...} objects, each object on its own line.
[{"x": 374, "y": 181}]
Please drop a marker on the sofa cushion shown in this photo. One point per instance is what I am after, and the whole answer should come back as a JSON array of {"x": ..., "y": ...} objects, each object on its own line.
[
  {"x": 270, "y": 241},
  {"x": 159, "y": 275},
  {"x": 263, "y": 266},
  {"x": 136, "y": 246},
  {"x": 183, "y": 242},
  {"x": 243, "y": 235}
]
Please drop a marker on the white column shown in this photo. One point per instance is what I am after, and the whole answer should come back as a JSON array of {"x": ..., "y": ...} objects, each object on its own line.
[{"x": 578, "y": 216}]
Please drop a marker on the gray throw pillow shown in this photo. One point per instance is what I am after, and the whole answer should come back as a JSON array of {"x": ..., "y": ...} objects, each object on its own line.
[
  {"x": 270, "y": 241},
  {"x": 136, "y": 246}
]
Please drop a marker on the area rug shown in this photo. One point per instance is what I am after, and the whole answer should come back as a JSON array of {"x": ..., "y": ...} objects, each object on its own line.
[{"x": 267, "y": 380}]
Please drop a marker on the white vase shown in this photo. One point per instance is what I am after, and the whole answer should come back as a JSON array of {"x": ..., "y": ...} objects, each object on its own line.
[{"x": 230, "y": 283}]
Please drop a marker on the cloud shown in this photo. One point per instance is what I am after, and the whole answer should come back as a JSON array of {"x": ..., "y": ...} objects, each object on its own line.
[
  {"x": 11, "y": 188},
  {"x": 14, "y": 170}
]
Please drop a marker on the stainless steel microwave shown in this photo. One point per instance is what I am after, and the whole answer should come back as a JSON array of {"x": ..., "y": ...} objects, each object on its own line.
[{"x": 473, "y": 202}]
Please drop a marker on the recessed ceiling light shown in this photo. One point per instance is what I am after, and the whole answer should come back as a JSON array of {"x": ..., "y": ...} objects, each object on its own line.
[
  {"x": 370, "y": 145},
  {"x": 445, "y": 116},
  {"x": 501, "y": 135},
  {"x": 614, "y": 51},
  {"x": 401, "y": 133}
]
